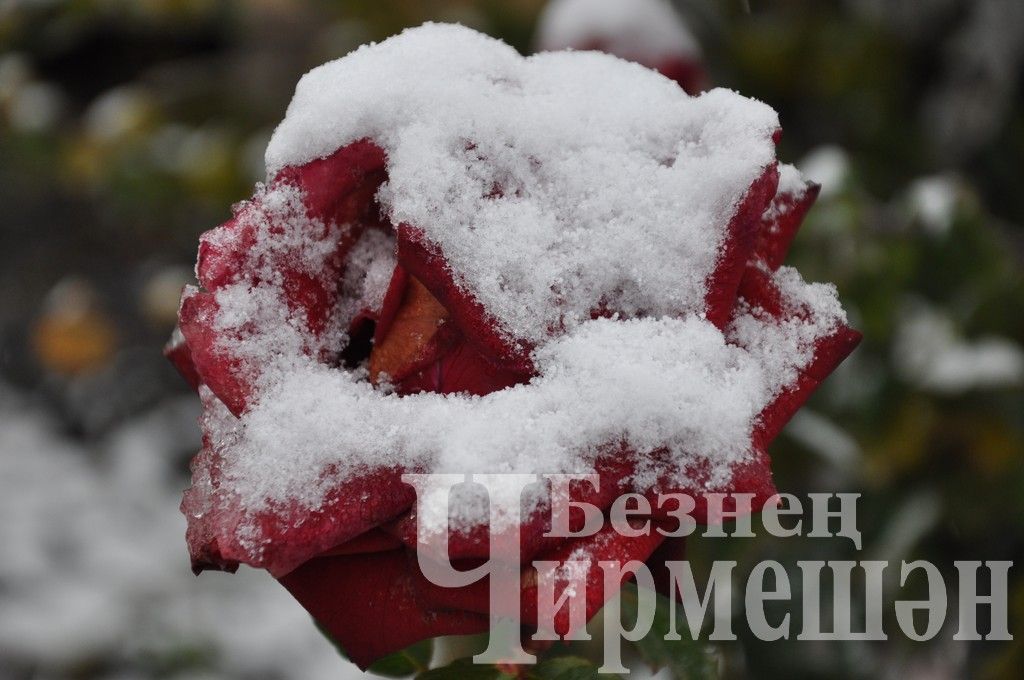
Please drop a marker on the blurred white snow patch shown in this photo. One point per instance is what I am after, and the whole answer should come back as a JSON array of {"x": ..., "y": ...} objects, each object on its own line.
[
  {"x": 15, "y": 72},
  {"x": 933, "y": 200},
  {"x": 825, "y": 438},
  {"x": 929, "y": 353},
  {"x": 116, "y": 113},
  {"x": 636, "y": 28},
  {"x": 94, "y": 569},
  {"x": 644, "y": 673},
  {"x": 828, "y": 166},
  {"x": 36, "y": 107}
]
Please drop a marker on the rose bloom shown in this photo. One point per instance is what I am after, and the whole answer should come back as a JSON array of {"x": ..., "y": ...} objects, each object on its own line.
[
  {"x": 649, "y": 32},
  {"x": 469, "y": 261}
]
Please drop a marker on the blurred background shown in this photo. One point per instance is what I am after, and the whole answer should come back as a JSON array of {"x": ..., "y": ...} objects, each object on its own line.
[{"x": 127, "y": 127}]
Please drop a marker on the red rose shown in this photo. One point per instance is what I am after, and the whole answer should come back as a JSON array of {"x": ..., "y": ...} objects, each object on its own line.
[
  {"x": 649, "y": 32},
  {"x": 346, "y": 315}
]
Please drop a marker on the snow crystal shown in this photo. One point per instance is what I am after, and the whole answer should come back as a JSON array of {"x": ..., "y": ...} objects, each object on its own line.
[
  {"x": 791, "y": 182},
  {"x": 933, "y": 200},
  {"x": 368, "y": 271},
  {"x": 641, "y": 29},
  {"x": 929, "y": 353},
  {"x": 828, "y": 166},
  {"x": 553, "y": 185},
  {"x": 258, "y": 316}
]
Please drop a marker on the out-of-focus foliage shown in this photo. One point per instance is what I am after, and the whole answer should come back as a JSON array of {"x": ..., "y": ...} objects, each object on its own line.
[{"x": 127, "y": 127}]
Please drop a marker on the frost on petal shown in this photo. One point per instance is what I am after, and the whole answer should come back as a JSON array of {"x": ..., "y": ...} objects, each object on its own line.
[
  {"x": 799, "y": 332},
  {"x": 270, "y": 273},
  {"x": 782, "y": 219}
]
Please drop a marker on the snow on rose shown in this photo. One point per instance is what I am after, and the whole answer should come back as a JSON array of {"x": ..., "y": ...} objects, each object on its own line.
[{"x": 468, "y": 261}]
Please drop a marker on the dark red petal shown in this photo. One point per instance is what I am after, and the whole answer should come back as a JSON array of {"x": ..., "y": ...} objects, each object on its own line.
[
  {"x": 460, "y": 367},
  {"x": 373, "y": 541},
  {"x": 223, "y": 251},
  {"x": 327, "y": 182},
  {"x": 424, "y": 260},
  {"x": 740, "y": 238},
  {"x": 177, "y": 352},
  {"x": 367, "y": 603},
  {"x": 198, "y": 504},
  {"x": 285, "y": 537},
  {"x": 474, "y": 543},
  {"x": 613, "y": 470},
  {"x": 224, "y": 374},
  {"x": 392, "y": 302},
  {"x": 607, "y": 544},
  {"x": 687, "y": 71},
  {"x": 780, "y": 223},
  {"x": 760, "y": 291},
  {"x": 355, "y": 506},
  {"x": 751, "y": 476},
  {"x": 829, "y": 352},
  {"x": 338, "y": 189}
]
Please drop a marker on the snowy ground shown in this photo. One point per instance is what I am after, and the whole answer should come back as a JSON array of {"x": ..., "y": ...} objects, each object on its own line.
[{"x": 94, "y": 575}]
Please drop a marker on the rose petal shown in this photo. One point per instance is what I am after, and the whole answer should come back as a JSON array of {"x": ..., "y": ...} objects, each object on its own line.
[
  {"x": 613, "y": 469},
  {"x": 780, "y": 223},
  {"x": 224, "y": 374},
  {"x": 338, "y": 189},
  {"x": 607, "y": 544},
  {"x": 424, "y": 261},
  {"x": 460, "y": 367},
  {"x": 222, "y": 534},
  {"x": 177, "y": 352},
  {"x": 760, "y": 291},
  {"x": 740, "y": 238},
  {"x": 406, "y": 340},
  {"x": 367, "y": 603},
  {"x": 686, "y": 71},
  {"x": 829, "y": 352},
  {"x": 751, "y": 476},
  {"x": 373, "y": 541}
]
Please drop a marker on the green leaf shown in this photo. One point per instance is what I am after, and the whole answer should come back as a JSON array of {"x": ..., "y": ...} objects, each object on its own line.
[
  {"x": 465, "y": 669},
  {"x": 687, "y": 658},
  {"x": 567, "y": 668},
  {"x": 411, "y": 660}
]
